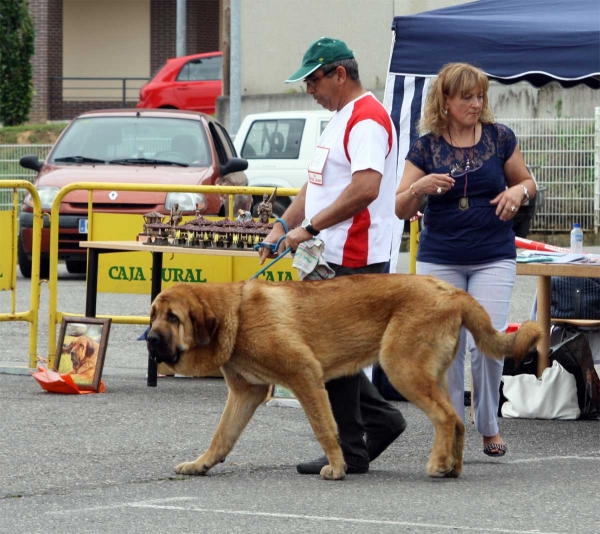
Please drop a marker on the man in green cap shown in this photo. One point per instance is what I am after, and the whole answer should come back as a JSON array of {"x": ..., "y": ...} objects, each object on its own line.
[{"x": 348, "y": 202}]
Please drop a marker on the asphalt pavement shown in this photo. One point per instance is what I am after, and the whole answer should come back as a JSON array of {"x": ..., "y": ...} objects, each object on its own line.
[{"x": 104, "y": 463}]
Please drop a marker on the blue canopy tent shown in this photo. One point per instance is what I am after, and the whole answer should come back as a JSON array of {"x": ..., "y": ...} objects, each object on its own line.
[{"x": 538, "y": 41}]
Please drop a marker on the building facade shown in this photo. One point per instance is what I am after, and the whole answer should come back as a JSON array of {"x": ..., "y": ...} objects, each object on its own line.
[{"x": 78, "y": 42}]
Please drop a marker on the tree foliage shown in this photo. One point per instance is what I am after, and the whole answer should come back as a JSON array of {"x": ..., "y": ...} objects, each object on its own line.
[{"x": 17, "y": 37}]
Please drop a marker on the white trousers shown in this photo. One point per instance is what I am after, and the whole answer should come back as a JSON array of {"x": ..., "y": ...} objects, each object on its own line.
[{"x": 491, "y": 285}]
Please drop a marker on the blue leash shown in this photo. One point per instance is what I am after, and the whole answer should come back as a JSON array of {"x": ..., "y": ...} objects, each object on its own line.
[{"x": 274, "y": 248}]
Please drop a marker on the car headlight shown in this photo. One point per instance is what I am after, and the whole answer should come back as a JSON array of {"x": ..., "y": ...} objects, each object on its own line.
[
  {"x": 47, "y": 196},
  {"x": 186, "y": 201}
]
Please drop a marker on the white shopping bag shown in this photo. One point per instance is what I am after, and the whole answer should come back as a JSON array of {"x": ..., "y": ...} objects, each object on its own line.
[{"x": 552, "y": 396}]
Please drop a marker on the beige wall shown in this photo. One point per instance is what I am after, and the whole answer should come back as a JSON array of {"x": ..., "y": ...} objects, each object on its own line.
[
  {"x": 106, "y": 38},
  {"x": 276, "y": 33}
]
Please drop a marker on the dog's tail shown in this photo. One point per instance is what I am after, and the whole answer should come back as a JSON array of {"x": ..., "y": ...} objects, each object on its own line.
[{"x": 493, "y": 343}]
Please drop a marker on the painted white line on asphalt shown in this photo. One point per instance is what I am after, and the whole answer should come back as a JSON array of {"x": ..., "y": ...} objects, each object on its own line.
[
  {"x": 155, "y": 504},
  {"x": 120, "y": 505},
  {"x": 551, "y": 459},
  {"x": 302, "y": 517}
]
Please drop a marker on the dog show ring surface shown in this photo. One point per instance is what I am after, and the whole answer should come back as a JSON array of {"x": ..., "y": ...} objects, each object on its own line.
[{"x": 204, "y": 265}]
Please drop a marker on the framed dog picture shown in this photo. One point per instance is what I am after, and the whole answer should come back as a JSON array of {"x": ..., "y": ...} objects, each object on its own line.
[
  {"x": 81, "y": 349},
  {"x": 281, "y": 396}
]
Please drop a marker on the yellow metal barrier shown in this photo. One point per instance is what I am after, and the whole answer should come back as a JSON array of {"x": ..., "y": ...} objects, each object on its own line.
[
  {"x": 55, "y": 317},
  {"x": 31, "y": 316},
  {"x": 414, "y": 245}
]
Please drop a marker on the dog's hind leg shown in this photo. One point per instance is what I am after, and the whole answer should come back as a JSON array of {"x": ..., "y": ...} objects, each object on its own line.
[
  {"x": 312, "y": 395},
  {"x": 242, "y": 401},
  {"x": 424, "y": 392},
  {"x": 420, "y": 376}
]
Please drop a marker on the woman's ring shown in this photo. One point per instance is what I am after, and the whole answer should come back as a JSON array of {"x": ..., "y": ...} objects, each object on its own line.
[
  {"x": 439, "y": 190},
  {"x": 512, "y": 208}
]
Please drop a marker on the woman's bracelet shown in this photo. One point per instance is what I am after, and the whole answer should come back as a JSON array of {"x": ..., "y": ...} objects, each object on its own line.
[{"x": 412, "y": 190}]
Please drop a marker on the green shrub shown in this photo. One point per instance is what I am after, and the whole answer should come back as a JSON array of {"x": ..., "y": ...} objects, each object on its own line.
[{"x": 16, "y": 48}]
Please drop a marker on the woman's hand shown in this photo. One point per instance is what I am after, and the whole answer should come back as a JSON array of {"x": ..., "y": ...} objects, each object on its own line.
[
  {"x": 432, "y": 184},
  {"x": 415, "y": 184},
  {"x": 508, "y": 202}
]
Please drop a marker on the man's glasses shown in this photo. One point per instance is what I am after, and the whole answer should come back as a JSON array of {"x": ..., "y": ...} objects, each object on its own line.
[
  {"x": 458, "y": 169},
  {"x": 312, "y": 81}
]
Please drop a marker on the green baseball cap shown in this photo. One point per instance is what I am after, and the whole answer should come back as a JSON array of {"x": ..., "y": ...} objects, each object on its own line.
[{"x": 322, "y": 52}]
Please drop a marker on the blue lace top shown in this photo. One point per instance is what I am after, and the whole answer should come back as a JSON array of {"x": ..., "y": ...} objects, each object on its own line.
[{"x": 475, "y": 235}]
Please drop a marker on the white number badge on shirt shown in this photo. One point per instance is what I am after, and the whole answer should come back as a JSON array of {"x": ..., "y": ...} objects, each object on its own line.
[{"x": 317, "y": 164}]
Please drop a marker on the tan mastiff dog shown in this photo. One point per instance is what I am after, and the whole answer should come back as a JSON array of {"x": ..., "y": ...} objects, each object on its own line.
[{"x": 300, "y": 335}]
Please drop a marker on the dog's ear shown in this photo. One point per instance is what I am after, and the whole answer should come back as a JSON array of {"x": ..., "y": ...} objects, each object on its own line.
[
  {"x": 89, "y": 348},
  {"x": 204, "y": 323}
]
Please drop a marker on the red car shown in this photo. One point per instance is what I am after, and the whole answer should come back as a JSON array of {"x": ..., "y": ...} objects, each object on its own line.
[
  {"x": 187, "y": 82},
  {"x": 128, "y": 146}
]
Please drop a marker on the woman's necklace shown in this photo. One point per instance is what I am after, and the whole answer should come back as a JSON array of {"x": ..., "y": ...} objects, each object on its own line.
[{"x": 463, "y": 202}]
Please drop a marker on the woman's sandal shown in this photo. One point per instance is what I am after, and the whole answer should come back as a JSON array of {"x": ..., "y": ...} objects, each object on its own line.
[{"x": 495, "y": 449}]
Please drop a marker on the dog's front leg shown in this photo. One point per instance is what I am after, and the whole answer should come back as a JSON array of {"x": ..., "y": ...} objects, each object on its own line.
[
  {"x": 315, "y": 402},
  {"x": 241, "y": 404}
]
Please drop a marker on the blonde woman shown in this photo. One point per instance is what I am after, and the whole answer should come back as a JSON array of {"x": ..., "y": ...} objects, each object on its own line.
[{"x": 474, "y": 175}]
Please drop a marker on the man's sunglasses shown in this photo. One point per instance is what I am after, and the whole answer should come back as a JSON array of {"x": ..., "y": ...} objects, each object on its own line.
[{"x": 312, "y": 81}]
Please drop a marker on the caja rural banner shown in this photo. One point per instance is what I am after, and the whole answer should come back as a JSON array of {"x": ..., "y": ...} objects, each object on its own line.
[
  {"x": 131, "y": 272},
  {"x": 6, "y": 250}
]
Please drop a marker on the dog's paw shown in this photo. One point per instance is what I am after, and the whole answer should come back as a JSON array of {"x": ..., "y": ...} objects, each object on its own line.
[
  {"x": 443, "y": 469},
  {"x": 328, "y": 472},
  {"x": 191, "y": 468}
]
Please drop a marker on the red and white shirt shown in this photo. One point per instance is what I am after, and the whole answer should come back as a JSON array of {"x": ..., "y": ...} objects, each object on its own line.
[{"x": 360, "y": 136}]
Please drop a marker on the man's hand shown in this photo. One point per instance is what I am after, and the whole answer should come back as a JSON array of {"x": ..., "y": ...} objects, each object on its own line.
[
  {"x": 273, "y": 237},
  {"x": 295, "y": 237}
]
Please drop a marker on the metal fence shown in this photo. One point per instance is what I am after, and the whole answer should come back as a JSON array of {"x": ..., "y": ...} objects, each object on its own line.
[
  {"x": 70, "y": 96},
  {"x": 562, "y": 151},
  {"x": 11, "y": 170}
]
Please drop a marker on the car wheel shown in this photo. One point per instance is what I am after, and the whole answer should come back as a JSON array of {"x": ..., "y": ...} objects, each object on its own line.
[
  {"x": 76, "y": 266},
  {"x": 25, "y": 263}
]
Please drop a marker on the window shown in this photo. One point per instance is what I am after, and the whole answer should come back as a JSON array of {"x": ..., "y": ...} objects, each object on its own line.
[
  {"x": 229, "y": 148},
  {"x": 202, "y": 69},
  {"x": 109, "y": 138},
  {"x": 274, "y": 139}
]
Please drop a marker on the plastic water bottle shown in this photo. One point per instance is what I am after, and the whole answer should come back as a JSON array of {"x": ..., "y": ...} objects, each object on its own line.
[{"x": 576, "y": 239}]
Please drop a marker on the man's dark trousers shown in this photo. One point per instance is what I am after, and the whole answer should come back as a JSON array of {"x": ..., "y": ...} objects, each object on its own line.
[{"x": 357, "y": 406}]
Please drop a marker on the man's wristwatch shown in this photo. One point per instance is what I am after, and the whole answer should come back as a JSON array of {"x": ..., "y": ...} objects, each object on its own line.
[
  {"x": 526, "y": 191},
  {"x": 309, "y": 227}
]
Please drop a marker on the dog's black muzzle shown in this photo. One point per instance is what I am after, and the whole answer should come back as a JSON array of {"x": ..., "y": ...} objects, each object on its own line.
[{"x": 158, "y": 349}]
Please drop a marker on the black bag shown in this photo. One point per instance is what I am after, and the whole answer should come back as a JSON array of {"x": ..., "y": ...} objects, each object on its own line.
[
  {"x": 383, "y": 385},
  {"x": 575, "y": 356},
  {"x": 575, "y": 298},
  {"x": 527, "y": 365}
]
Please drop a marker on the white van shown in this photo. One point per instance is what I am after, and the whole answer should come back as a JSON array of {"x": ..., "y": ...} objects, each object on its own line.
[{"x": 278, "y": 146}]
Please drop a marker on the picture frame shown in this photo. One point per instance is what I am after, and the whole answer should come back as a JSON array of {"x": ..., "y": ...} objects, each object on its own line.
[
  {"x": 281, "y": 396},
  {"x": 81, "y": 349}
]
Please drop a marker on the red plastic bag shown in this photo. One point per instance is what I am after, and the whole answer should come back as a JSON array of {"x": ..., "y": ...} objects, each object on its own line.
[{"x": 54, "y": 382}]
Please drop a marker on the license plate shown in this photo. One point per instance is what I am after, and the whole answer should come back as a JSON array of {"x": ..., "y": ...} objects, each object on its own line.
[{"x": 83, "y": 226}]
